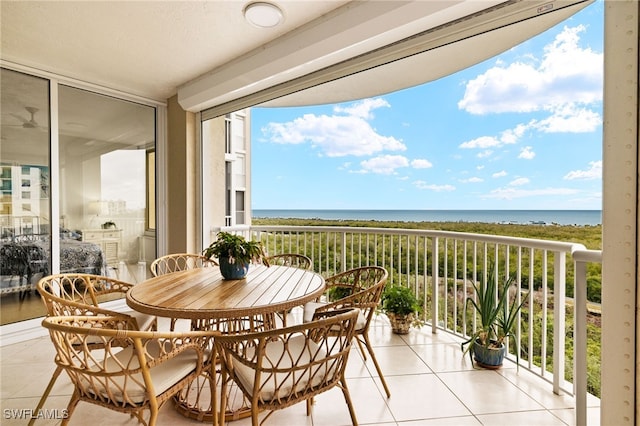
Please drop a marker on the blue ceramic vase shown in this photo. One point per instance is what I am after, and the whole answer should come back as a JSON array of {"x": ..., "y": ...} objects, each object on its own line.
[{"x": 233, "y": 271}]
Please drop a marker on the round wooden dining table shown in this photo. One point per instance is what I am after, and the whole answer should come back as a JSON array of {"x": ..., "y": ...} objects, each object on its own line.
[
  {"x": 203, "y": 296},
  {"x": 202, "y": 293}
]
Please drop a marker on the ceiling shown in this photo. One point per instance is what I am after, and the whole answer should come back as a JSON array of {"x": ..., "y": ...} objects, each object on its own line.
[
  {"x": 147, "y": 48},
  {"x": 208, "y": 54}
]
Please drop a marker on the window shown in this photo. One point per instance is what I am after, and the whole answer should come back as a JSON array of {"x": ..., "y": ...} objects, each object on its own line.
[{"x": 240, "y": 213}]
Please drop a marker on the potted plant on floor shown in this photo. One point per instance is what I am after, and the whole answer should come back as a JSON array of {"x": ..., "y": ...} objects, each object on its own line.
[
  {"x": 498, "y": 314},
  {"x": 234, "y": 254},
  {"x": 402, "y": 308}
]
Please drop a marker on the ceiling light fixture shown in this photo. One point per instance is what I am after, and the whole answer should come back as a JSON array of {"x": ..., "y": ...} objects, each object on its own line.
[{"x": 263, "y": 14}]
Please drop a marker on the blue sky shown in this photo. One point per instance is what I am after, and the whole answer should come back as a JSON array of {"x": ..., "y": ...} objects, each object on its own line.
[{"x": 522, "y": 130}]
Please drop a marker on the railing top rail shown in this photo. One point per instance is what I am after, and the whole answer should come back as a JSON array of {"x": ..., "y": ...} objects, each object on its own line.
[
  {"x": 560, "y": 246},
  {"x": 587, "y": 256}
]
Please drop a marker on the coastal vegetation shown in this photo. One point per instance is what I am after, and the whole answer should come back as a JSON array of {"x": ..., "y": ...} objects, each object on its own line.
[
  {"x": 416, "y": 275},
  {"x": 588, "y": 235}
]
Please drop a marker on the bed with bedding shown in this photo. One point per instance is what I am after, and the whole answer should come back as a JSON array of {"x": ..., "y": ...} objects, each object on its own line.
[{"x": 25, "y": 258}]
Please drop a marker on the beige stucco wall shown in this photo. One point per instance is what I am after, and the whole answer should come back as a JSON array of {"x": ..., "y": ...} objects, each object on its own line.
[
  {"x": 181, "y": 190},
  {"x": 184, "y": 203}
]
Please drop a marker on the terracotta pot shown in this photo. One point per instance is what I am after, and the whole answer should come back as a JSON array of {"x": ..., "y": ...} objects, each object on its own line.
[
  {"x": 400, "y": 324},
  {"x": 233, "y": 271}
]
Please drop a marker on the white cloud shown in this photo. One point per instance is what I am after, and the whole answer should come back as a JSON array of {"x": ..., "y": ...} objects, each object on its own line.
[
  {"x": 519, "y": 181},
  {"x": 570, "y": 119},
  {"x": 485, "y": 154},
  {"x": 420, "y": 163},
  {"x": 511, "y": 193},
  {"x": 511, "y": 136},
  {"x": 527, "y": 153},
  {"x": 507, "y": 137},
  {"x": 499, "y": 174},
  {"x": 593, "y": 172},
  {"x": 472, "y": 180},
  {"x": 566, "y": 74},
  {"x": 385, "y": 164},
  {"x": 362, "y": 109},
  {"x": 336, "y": 135},
  {"x": 420, "y": 184},
  {"x": 481, "y": 142}
]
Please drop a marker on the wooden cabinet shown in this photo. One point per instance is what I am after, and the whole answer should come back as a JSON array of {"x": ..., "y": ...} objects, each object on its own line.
[{"x": 109, "y": 241}]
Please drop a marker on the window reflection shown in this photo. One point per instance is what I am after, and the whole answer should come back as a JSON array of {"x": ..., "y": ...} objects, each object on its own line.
[
  {"x": 25, "y": 237},
  {"x": 103, "y": 163}
]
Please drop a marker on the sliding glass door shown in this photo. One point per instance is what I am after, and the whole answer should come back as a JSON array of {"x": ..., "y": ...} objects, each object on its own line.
[
  {"x": 25, "y": 203},
  {"x": 99, "y": 195}
]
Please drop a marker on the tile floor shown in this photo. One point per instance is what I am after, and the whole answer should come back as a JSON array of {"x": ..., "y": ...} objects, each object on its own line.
[{"x": 431, "y": 383}]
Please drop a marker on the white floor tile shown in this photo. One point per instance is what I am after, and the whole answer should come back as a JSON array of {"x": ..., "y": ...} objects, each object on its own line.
[
  {"x": 431, "y": 383},
  {"x": 485, "y": 391}
]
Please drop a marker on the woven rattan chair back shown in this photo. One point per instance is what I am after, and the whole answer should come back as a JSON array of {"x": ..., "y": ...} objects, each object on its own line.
[
  {"x": 278, "y": 368},
  {"x": 179, "y": 262},
  {"x": 173, "y": 263},
  {"x": 359, "y": 288},
  {"x": 81, "y": 294},
  {"x": 290, "y": 259},
  {"x": 136, "y": 370}
]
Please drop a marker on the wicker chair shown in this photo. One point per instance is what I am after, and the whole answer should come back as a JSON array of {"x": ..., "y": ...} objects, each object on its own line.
[
  {"x": 173, "y": 263},
  {"x": 135, "y": 371},
  {"x": 179, "y": 262},
  {"x": 359, "y": 288},
  {"x": 281, "y": 367},
  {"x": 290, "y": 259},
  {"x": 81, "y": 294}
]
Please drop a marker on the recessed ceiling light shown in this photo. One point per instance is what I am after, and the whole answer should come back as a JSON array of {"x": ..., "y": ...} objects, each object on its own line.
[{"x": 263, "y": 14}]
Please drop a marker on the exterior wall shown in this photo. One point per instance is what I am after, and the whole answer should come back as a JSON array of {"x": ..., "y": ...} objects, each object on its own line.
[
  {"x": 213, "y": 179},
  {"x": 247, "y": 193},
  {"x": 238, "y": 156},
  {"x": 620, "y": 344}
]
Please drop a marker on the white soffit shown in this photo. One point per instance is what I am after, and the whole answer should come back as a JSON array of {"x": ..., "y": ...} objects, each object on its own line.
[
  {"x": 437, "y": 62},
  {"x": 365, "y": 75},
  {"x": 354, "y": 29}
]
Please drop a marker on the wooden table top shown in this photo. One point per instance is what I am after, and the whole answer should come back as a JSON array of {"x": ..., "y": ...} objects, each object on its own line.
[{"x": 203, "y": 293}]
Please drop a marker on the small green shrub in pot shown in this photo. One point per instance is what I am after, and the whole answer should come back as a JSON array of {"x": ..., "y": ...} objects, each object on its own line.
[
  {"x": 235, "y": 251},
  {"x": 402, "y": 307},
  {"x": 236, "y": 248}
]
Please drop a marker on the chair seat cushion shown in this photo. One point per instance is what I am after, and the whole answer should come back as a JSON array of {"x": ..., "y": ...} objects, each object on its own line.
[
  {"x": 310, "y": 309},
  {"x": 287, "y": 380},
  {"x": 163, "y": 376},
  {"x": 144, "y": 321}
]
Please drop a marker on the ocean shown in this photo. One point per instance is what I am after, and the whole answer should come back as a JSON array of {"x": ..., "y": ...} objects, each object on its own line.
[{"x": 540, "y": 217}]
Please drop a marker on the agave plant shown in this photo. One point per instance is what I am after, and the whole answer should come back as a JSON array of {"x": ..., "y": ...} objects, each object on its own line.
[{"x": 496, "y": 312}]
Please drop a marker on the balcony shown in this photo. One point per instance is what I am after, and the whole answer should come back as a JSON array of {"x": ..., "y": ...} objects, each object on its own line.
[{"x": 431, "y": 380}]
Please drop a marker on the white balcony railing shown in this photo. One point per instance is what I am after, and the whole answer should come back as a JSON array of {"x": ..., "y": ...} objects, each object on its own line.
[{"x": 439, "y": 266}]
